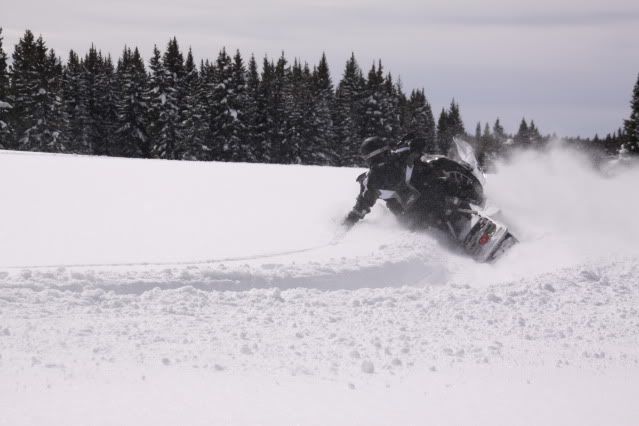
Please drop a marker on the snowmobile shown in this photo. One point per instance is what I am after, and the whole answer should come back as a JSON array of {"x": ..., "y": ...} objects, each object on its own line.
[
  {"x": 440, "y": 193},
  {"x": 479, "y": 234}
]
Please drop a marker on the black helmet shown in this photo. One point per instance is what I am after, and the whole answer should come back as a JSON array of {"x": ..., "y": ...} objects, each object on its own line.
[
  {"x": 414, "y": 141},
  {"x": 373, "y": 149}
]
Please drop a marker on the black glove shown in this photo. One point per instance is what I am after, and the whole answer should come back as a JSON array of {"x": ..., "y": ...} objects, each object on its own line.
[{"x": 351, "y": 219}]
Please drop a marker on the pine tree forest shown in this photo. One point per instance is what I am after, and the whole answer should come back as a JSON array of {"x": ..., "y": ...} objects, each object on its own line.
[{"x": 232, "y": 109}]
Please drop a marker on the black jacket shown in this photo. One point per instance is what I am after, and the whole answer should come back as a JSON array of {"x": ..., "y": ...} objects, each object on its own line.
[{"x": 422, "y": 190}]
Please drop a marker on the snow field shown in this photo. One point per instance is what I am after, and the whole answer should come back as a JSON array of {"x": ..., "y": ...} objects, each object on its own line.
[
  {"x": 587, "y": 319},
  {"x": 523, "y": 353},
  {"x": 154, "y": 292},
  {"x": 456, "y": 396}
]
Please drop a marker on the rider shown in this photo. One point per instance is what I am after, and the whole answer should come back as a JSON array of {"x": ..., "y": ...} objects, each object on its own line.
[{"x": 422, "y": 190}]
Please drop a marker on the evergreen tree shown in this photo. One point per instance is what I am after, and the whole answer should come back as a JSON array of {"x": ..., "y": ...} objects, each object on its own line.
[
  {"x": 450, "y": 125},
  {"x": 419, "y": 122},
  {"x": 533, "y": 133},
  {"x": 498, "y": 132},
  {"x": 75, "y": 94},
  {"x": 4, "y": 75},
  {"x": 613, "y": 143},
  {"x": 227, "y": 98},
  {"x": 265, "y": 123},
  {"x": 391, "y": 107},
  {"x": 203, "y": 147},
  {"x": 55, "y": 121},
  {"x": 348, "y": 113},
  {"x": 486, "y": 131},
  {"x": 456, "y": 125},
  {"x": 430, "y": 130},
  {"x": 6, "y": 133},
  {"x": 171, "y": 143},
  {"x": 132, "y": 136},
  {"x": 91, "y": 67},
  {"x": 522, "y": 138},
  {"x": 443, "y": 132},
  {"x": 253, "y": 137},
  {"x": 596, "y": 140},
  {"x": 164, "y": 96},
  {"x": 272, "y": 107},
  {"x": 403, "y": 109},
  {"x": 106, "y": 117},
  {"x": 631, "y": 125},
  {"x": 221, "y": 114},
  {"x": 37, "y": 114},
  {"x": 375, "y": 114},
  {"x": 193, "y": 112},
  {"x": 173, "y": 60},
  {"x": 98, "y": 95},
  {"x": 239, "y": 105},
  {"x": 282, "y": 150},
  {"x": 298, "y": 103},
  {"x": 322, "y": 137},
  {"x": 155, "y": 98},
  {"x": 489, "y": 147}
]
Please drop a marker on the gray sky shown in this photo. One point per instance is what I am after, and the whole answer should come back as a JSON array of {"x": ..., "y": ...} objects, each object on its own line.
[{"x": 568, "y": 64}]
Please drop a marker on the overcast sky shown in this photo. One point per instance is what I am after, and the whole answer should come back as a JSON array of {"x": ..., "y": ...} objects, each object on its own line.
[{"x": 568, "y": 64}]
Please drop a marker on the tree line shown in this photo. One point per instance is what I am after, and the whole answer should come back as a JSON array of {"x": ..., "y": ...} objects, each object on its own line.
[{"x": 224, "y": 110}]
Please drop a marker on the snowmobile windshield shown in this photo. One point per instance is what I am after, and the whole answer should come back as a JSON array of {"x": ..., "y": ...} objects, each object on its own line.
[{"x": 464, "y": 152}]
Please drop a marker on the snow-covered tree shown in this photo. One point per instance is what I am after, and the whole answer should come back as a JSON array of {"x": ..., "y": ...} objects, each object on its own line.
[
  {"x": 4, "y": 74},
  {"x": 348, "y": 113},
  {"x": 6, "y": 133},
  {"x": 193, "y": 112},
  {"x": 164, "y": 96},
  {"x": 374, "y": 120},
  {"x": 498, "y": 132},
  {"x": 322, "y": 140},
  {"x": 489, "y": 146},
  {"x": 282, "y": 150},
  {"x": 522, "y": 138},
  {"x": 38, "y": 116},
  {"x": 253, "y": 139},
  {"x": 155, "y": 98},
  {"x": 443, "y": 134},
  {"x": 271, "y": 109},
  {"x": 449, "y": 125},
  {"x": 456, "y": 124},
  {"x": 534, "y": 134},
  {"x": 107, "y": 105},
  {"x": 90, "y": 101},
  {"x": 393, "y": 97},
  {"x": 419, "y": 123},
  {"x": 76, "y": 96},
  {"x": 226, "y": 106},
  {"x": 240, "y": 101},
  {"x": 299, "y": 133},
  {"x": 131, "y": 133},
  {"x": 101, "y": 82},
  {"x": 631, "y": 125},
  {"x": 91, "y": 68}
]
